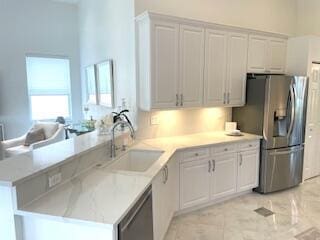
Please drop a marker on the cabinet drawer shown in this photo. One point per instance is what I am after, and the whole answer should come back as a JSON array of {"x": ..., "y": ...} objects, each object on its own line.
[
  {"x": 225, "y": 148},
  {"x": 249, "y": 145},
  {"x": 195, "y": 154}
]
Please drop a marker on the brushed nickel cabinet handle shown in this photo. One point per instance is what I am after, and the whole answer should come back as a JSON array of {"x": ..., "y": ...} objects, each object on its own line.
[
  {"x": 164, "y": 175},
  {"x": 167, "y": 170},
  {"x": 224, "y": 98},
  {"x": 214, "y": 165},
  {"x": 181, "y": 100},
  {"x": 209, "y": 167},
  {"x": 240, "y": 159}
]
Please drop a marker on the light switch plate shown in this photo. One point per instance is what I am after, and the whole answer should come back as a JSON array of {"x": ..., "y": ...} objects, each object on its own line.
[
  {"x": 155, "y": 120},
  {"x": 54, "y": 180}
]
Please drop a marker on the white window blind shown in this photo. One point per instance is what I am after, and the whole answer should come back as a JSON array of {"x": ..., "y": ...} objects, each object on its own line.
[{"x": 49, "y": 87}]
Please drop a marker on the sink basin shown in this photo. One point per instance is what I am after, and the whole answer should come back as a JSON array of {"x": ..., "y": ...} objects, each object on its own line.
[{"x": 136, "y": 160}]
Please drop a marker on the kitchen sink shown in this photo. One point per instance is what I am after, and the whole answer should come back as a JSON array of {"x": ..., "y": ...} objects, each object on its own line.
[{"x": 136, "y": 160}]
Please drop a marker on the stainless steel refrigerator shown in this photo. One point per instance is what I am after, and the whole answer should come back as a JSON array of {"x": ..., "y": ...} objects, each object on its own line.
[{"x": 276, "y": 109}]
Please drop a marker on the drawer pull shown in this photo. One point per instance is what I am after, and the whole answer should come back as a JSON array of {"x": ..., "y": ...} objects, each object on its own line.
[
  {"x": 196, "y": 154},
  {"x": 226, "y": 149},
  {"x": 209, "y": 167},
  {"x": 250, "y": 145}
]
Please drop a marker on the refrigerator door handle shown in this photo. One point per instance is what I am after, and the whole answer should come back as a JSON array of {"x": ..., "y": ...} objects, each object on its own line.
[
  {"x": 286, "y": 152},
  {"x": 293, "y": 109}
]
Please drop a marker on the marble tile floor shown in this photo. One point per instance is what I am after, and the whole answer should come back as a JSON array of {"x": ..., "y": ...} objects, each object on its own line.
[{"x": 296, "y": 210}]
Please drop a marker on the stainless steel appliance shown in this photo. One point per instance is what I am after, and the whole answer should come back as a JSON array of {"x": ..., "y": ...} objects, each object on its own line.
[
  {"x": 276, "y": 109},
  {"x": 138, "y": 223}
]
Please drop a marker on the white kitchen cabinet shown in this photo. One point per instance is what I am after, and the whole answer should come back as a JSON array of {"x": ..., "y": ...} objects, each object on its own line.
[
  {"x": 248, "y": 170},
  {"x": 165, "y": 198},
  {"x": 185, "y": 63},
  {"x": 237, "y": 65},
  {"x": 191, "y": 66},
  {"x": 267, "y": 54},
  {"x": 158, "y": 52},
  {"x": 225, "y": 68},
  {"x": 257, "y": 55},
  {"x": 195, "y": 183},
  {"x": 224, "y": 175},
  {"x": 215, "y": 68},
  {"x": 277, "y": 53},
  {"x": 164, "y": 64}
]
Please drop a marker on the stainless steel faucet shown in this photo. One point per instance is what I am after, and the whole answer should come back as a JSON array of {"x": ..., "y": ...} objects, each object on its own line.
[{"x": 113, "y": 128}]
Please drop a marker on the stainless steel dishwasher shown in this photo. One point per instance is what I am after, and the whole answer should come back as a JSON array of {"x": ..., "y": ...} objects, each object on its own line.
[{"x": 138, "y": 223}]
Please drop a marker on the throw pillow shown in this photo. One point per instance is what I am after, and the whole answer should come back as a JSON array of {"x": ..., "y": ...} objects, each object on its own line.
[
  {"x": 49, "y": 128},
  {"x": 35, "y": 136}
]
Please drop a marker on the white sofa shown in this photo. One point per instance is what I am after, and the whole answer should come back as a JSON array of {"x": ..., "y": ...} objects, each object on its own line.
[{"x": 54, "y": 132}]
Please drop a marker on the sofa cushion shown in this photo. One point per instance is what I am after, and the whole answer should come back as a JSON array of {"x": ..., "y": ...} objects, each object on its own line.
[
  {"x": 50, "y": 128},
  {"x": 34, "y": 136},
  {"x": 10, "y": 152}
]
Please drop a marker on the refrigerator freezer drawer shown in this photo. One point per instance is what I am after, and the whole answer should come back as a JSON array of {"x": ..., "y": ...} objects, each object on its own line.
[{"x": 281, "y": 169}]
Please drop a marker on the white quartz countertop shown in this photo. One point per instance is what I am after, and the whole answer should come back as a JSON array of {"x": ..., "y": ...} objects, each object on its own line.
[{"x": 102, "y": 196}]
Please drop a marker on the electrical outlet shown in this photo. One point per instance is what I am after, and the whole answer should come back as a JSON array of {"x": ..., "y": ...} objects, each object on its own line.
[
  {"x": 155, "y": 120},
  {"x": 54, "y": 180}
]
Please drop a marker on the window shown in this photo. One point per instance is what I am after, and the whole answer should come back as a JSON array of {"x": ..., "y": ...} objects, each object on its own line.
[{"x": 49, "y": 87}]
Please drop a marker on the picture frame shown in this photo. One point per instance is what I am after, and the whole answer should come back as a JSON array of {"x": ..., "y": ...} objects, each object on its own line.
[
  {"x": 91, "y": 83},
  {"x": 105, "y": 83}
]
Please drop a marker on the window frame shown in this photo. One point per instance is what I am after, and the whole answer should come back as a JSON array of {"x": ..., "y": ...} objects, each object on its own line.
[{"x": 48, "y": 56}]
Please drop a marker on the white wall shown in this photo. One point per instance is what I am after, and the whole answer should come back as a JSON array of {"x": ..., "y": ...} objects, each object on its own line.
[
  {"x": 268, "y": 15},
  {"x": 308, "y": 17},
  {"x": 40, "y": 27},
  {"x": 107, "y": 32}
]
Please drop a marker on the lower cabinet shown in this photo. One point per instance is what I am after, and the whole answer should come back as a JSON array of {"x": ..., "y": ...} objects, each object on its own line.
[
  {"x": 195, "y": 183},
  {"x": 165, "y": 198},
  {"x": 248, "y": 170},
  {"x": 219, "y": 176},
  {"x": 224, "y": 176},
  {"x": 197, "y": 179}
]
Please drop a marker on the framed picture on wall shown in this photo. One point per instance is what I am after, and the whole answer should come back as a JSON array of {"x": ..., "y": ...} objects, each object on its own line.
[
  {"x": 92, "y": 97},
  {"x": 105, "y": 83}
]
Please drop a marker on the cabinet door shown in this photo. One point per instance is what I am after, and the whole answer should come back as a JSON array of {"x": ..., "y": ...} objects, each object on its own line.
[
  {"x": 158, "y": 205},
  {"x": 224, "y": 178},
  {"x": 237, "y": 65},
  {"x": 257, "y": 55},
  {"x": 277, "y": 52},
  {"x": 215, "y": 68},
  {"x": 165, "y": 64},
  {"x": 194, "y": 183},
  {"x": 165, "y": 198},
  {"x": 191, "y": 66},
  {"x": 248, "y": 170}
]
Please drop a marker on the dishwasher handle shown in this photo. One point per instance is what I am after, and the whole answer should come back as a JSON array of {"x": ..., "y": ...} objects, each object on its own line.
[{"x": 136, "y": 209}]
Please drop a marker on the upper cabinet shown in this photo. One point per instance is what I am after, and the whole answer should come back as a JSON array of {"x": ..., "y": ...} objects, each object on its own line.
[
  {"x": 184, "y": 63},
  {"x": 191, "y": 66},
  {"x": 266, "y": 54},
  {"x": 225, "y": 68}
]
